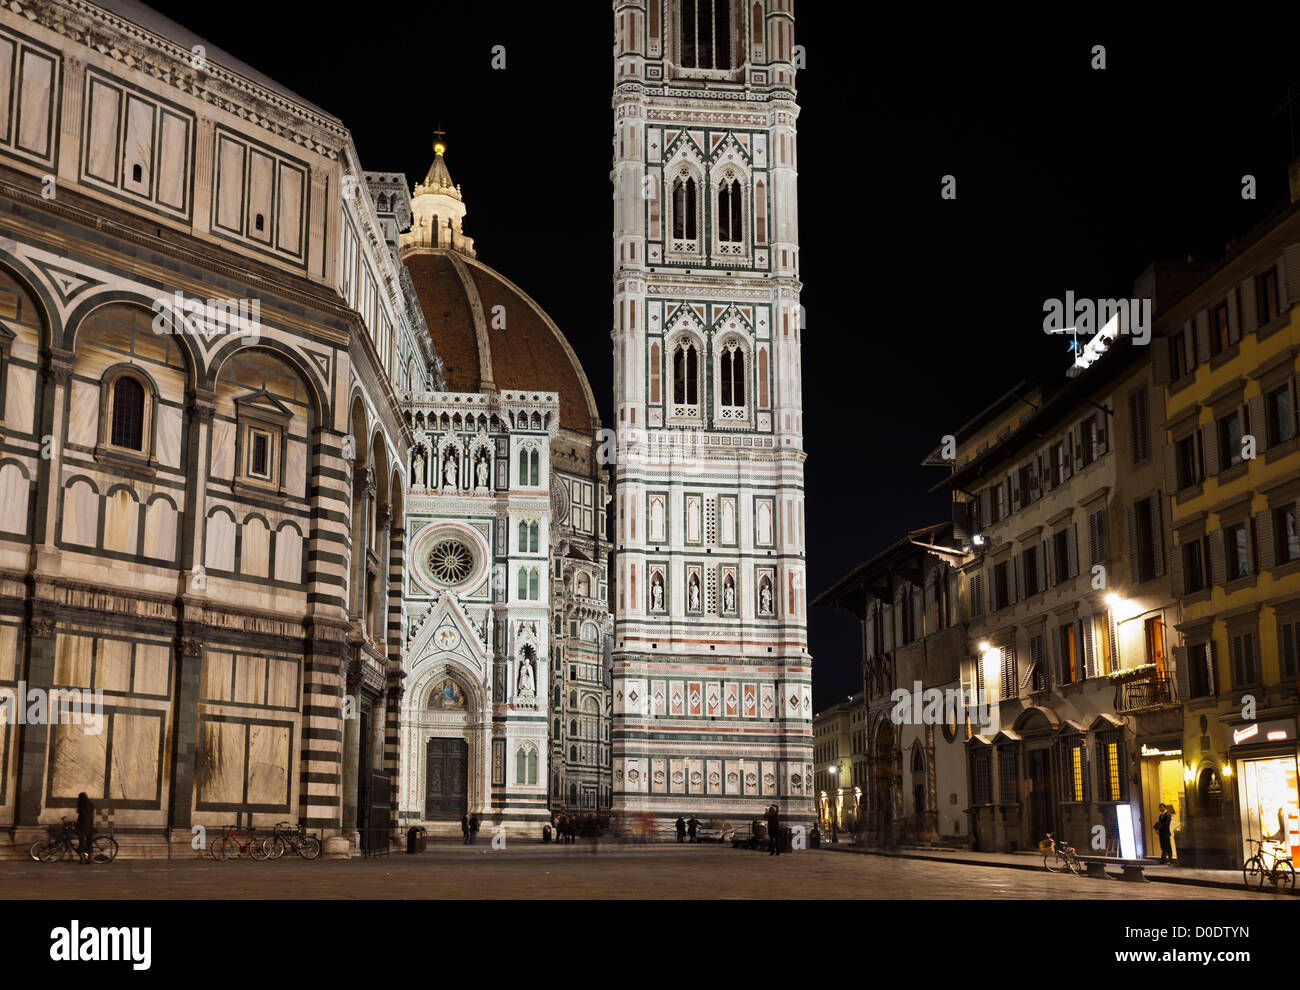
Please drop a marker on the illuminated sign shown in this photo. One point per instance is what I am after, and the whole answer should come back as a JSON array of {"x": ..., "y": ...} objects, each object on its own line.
[
  {"x": 1127, "y": 841},
  {"x": 1278, "y": 730},
  {"x": 1157, "y": 751}
]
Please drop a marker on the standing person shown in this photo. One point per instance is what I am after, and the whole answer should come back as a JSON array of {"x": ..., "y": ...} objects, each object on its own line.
[
  {"x": 85, "y": 826},
  {"x": 464, "y": 830},
  {"x": 681, "y": 829},
  {"x": 473, "y": 830},
  {"x": 835, "y": 830},
  {"x": 773, "y": 831},
  {"x": 1163, "y": 824},
  {"x": 693, "y": 827}
]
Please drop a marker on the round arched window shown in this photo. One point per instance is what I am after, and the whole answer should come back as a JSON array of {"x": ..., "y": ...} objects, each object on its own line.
[{"x": 451, "y": 562}]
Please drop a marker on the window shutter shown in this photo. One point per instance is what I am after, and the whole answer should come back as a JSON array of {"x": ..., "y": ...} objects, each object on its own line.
[
  {"x": 1290, "y": 649},
  {"x": 1034, "y": 484},
  {"x": 1181, "y": 681},
  {"x": 1052, "y": 579},
  {"x": 1266, "y": 545},
  {"x": 1202, "y": 337},
  {"x": 1089, "y": 647},
  {"x": 1177, "y": 583},
  {"x": 1020, "y": 579},
  {"x": 986, "y": 508},
  {"x": 1042, "y": 567},
  {"x": 1249, "y": 323},
  {"x": 1101, "y": 432},
  {"x": 1045, "y": 469},
  {"x": 1288, "y": 275},
  {"x": 1257, "y": 424},
  {"x": 1135, "y": 571},
  {"x": 1160, "y": 360},
  {"x": 1077, "y": 433},
  {"x": 1234, "y": 324},
  {"x": 1014, "y": 580},
  {"x": 1072, "y": 549},
  {"x": 1103, "y": 778},
  {"x": 1218, "y": 560},
  {"x": 1212, "y": 665},
  {"x": 1056, "y": 656},
  {"x": 1097, "y": 537},
  {"x": 1015, "y": 492},
  {"x": 1210, "y": 447},
  {"x": 1112, "y": 637},
  {"x": 1170, "y": 457},
  {"x": 1157, "y": 537}
]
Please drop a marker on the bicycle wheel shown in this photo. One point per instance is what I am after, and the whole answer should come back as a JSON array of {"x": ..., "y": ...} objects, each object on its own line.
[
  {"x": 1073, "y": 864},
  {"x": 103, "y": 849},
  {"x": 38, "y": 849},
  {"x": 275, "y": 846},
  {"x": 1252, "y": 873},
  {"x": 56, "y": 850},
  {"x": 258, "y": 848},
  {"x": 1053, "y": 863},
  {"x": 309, "y": 847},
  {"x": 1284, "y": 875}
]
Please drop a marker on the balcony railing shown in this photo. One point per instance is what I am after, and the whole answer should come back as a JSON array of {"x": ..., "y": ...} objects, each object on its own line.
[{"x": 1149, "y": 692}]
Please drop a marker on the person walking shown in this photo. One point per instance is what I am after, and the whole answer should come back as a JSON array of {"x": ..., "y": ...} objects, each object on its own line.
[
  {"x": 693, "y": 827},
  {"x": 473, "y": 830},
  {"x": 773, "y": 831},
  {"x": 464, "y": 830},
  {"x": 85, "y": 826},
  {"x": 1163, "y": 824},
  {"x": 681, "y": 829}
]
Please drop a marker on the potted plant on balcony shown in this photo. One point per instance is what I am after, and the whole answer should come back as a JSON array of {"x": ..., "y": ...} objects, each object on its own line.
[{"x": 1138, "y": 673}]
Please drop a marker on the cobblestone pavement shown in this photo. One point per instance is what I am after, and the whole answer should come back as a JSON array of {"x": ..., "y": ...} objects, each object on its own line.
[{"x": 548, "y": 872}]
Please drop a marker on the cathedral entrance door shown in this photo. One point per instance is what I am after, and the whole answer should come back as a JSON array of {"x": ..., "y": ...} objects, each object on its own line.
[{"x": 446, "y": 780}]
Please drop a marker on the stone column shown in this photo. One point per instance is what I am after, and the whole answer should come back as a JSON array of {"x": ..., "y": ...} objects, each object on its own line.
[{"x": 352, "y": 743}]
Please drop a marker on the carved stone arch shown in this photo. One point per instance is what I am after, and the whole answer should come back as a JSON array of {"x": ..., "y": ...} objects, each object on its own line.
[
  {"x": 320, "y": 409},
  {"x": 45, "y": 307}
]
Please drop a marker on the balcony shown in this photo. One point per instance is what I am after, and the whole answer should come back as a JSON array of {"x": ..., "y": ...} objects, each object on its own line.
[{"x": 1152, "y": 691}]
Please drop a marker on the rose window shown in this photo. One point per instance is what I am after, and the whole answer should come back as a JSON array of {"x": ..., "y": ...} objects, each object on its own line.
[{"x": 451, "y": 562}]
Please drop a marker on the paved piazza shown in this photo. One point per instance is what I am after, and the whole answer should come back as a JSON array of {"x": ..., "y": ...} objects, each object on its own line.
[{"x": 533, "y": 872}]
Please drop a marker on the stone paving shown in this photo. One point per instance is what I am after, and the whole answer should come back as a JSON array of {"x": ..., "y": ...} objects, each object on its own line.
[{"x": 564, "y": 872}]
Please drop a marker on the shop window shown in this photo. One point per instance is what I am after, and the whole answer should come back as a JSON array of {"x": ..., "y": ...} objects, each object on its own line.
[{"x": 1076, "y": 772}]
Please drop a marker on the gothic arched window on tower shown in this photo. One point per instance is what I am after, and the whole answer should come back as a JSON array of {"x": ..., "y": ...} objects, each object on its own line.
[
  {"x": 685, "y": 205},
  {"x": 706, "y": 34},
  {"x": 534, "y": 467},
  {"x": 654, "y": 374},
  {"x": 729, "y": 211},
  {"x": 686, "y": 374},
  {"x": 732, "y": 376}
]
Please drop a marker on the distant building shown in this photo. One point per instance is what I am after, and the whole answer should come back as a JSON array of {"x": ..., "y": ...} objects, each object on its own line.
[{"x": 838, "y": 798}]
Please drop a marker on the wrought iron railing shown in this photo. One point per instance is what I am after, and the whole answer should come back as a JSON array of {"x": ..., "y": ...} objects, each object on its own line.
[{"x": 1150, "y": 692}]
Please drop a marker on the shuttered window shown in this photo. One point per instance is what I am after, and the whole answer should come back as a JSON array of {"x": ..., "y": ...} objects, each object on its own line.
[
  {"x": 1290, "y": 650},
  {"x": 1244, "y": 668},
  {"x": 1112, "y": 777},
  {"x": 1139, "y": 423},
  {"x": 1097, "y": 538},
  {"x": 981, "y": 784},
  {"x": 1008, "y": 774}
]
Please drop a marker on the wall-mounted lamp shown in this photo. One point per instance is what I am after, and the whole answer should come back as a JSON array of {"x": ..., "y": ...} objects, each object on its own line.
[{"x": 1226, "y": 770}]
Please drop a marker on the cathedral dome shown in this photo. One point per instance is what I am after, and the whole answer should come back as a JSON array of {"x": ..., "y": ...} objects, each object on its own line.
[
  {"x": 488, "y": 332},
  {"x": 516, "y": 347}
]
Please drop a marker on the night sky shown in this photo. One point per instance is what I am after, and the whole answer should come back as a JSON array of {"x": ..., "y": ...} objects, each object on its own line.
[{"x": 921, "y": 311}]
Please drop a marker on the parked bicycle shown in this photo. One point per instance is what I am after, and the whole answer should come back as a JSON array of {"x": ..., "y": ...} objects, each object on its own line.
[
  {"x": 64, "y": 843},
  {"x": 237, "y": 840},
  {"x": 1281, "y": 874},
  {"x": 287, "y": 836},
  {"x": 1058, "y": 857}
]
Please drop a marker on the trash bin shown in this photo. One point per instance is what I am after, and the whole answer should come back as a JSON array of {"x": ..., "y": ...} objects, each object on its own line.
[{"x": 415, "y": 840}]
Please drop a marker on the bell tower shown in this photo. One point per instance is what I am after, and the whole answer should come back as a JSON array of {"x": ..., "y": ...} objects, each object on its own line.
[{"x": 712, "y": 696}]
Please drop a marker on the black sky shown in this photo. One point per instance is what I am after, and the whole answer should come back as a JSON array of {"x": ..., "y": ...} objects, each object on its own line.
[{"x": 920, "y": 310}]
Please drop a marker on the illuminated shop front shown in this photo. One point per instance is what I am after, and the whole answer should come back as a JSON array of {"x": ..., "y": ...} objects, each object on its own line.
[
  {"x": 1264, "y": 763},
  {"x": 1162, "y": 783}
]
